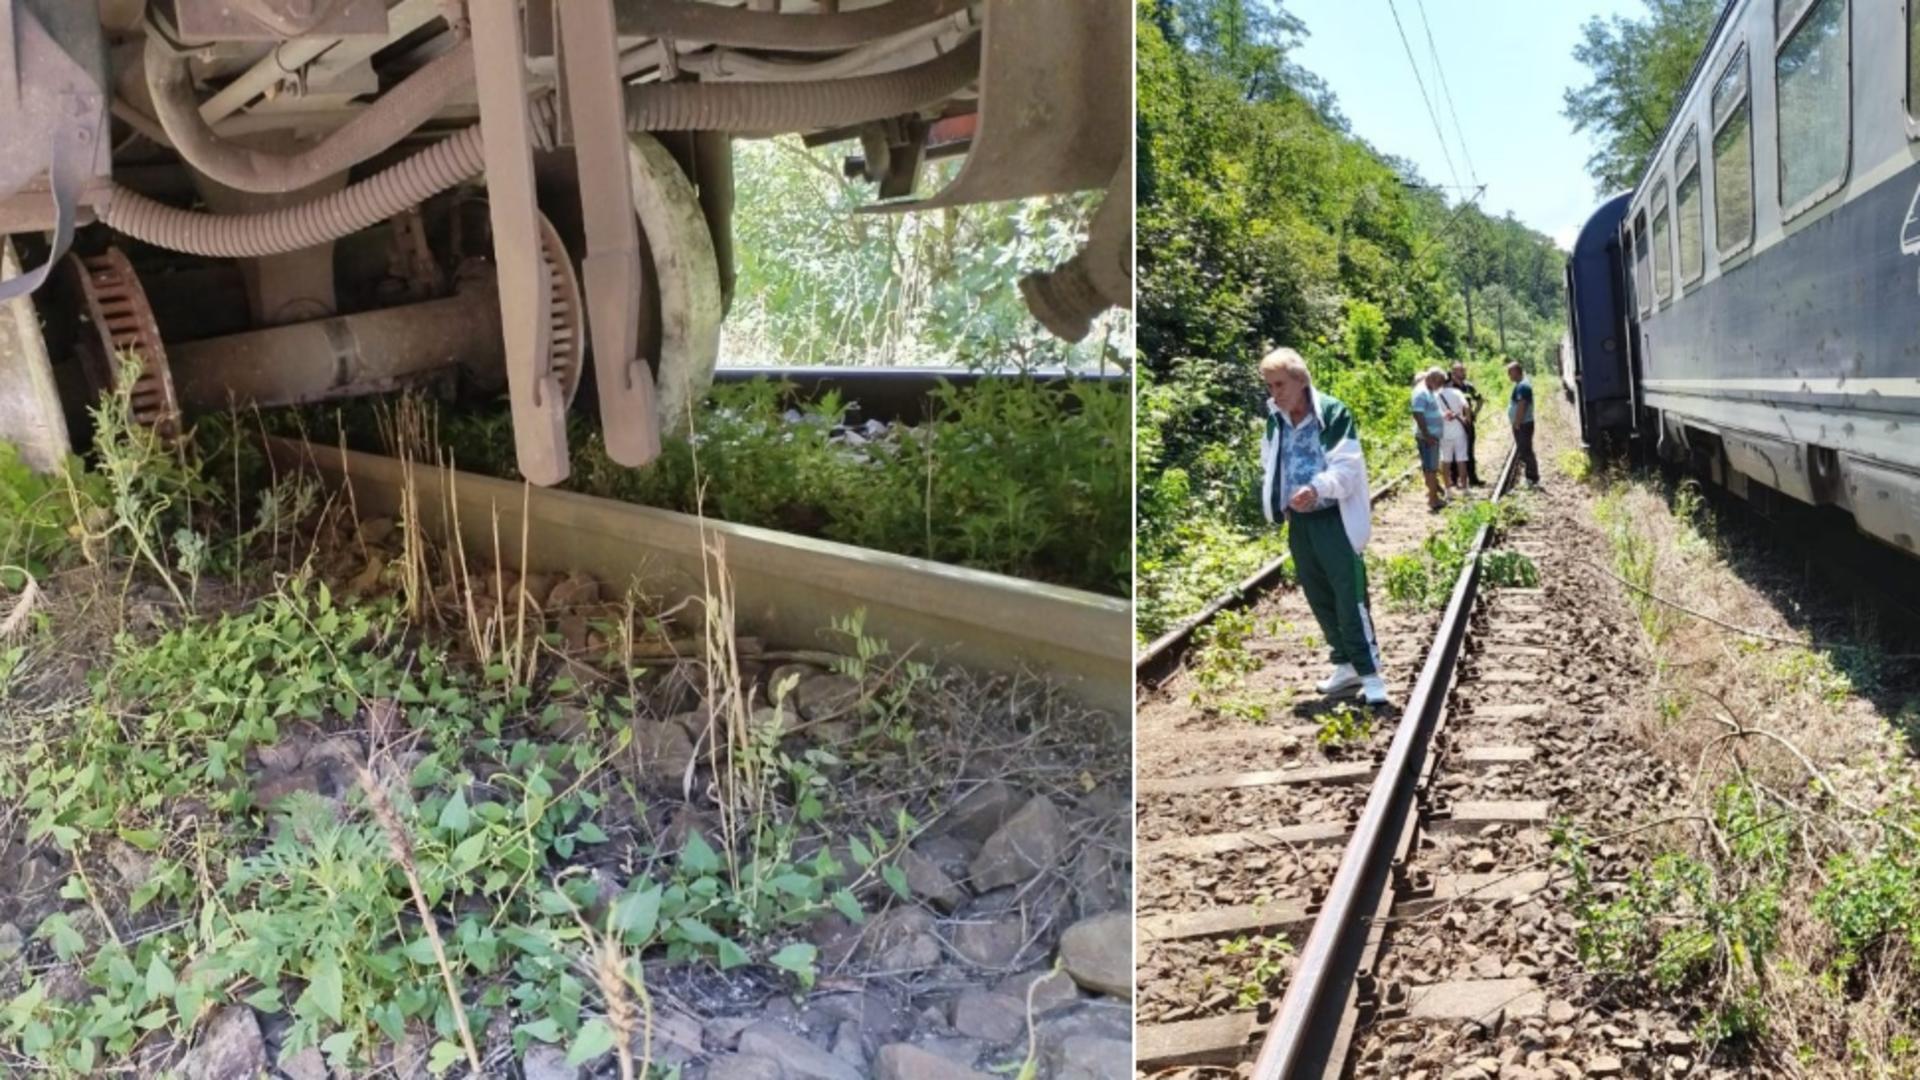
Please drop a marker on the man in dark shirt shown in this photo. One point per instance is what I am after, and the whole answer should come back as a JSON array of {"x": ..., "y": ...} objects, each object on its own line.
[
  {"x": 1458, "y": 380},
  {"x": 1520, "y": 413}
]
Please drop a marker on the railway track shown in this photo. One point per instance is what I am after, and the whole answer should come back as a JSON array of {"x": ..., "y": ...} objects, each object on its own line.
[
  {"x": 786, "y": 586},
  {"x": 1321, "y": 851}
]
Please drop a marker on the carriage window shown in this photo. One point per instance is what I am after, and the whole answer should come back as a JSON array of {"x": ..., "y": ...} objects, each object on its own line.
[
  {"x": 1732, "y": 159},
  {"x": 1641, "y": 286},
  {"x": 1662, "y": 245},
  {"x": 1811, "y": 73},
  {"x": 1692, "y": 224}
]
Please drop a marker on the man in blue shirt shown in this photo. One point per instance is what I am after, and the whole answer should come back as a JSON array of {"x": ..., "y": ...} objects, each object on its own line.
[
  {"x": 1427, "y": 428},
  {"x": 1314, "y": 478},
  {"x": 1520, "y": 413}
]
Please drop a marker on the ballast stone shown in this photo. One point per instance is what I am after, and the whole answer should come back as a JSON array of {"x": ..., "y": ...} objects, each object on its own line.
[{"x": 1030, "y": 842}]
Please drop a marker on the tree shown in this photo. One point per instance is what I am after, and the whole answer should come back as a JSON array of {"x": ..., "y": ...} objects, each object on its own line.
[{"x": 1639, "y": 68}]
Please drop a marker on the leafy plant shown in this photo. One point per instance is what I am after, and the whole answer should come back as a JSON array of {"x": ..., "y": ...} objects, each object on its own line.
[
  {"x": 1269, "y": 967},
  {"x": 1344, "y": 726}
]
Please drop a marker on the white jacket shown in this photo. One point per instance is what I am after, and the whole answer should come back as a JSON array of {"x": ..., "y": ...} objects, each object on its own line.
[{"x": 1344, "y": 480}]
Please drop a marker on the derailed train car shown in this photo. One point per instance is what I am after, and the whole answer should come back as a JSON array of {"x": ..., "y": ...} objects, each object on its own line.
[
  {"x": 1762, "y": 282},
  {"x": 284, "y": 201}
]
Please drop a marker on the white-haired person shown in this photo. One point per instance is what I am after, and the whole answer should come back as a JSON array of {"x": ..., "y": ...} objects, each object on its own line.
[
  {"x": 1314, "y": 478},
  {"x": 1428, "y": 425}
]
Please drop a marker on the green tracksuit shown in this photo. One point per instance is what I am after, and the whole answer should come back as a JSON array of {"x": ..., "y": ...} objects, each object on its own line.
[
  {"x": 1326, "y": 541},
  {"x": 1334, "y": 580}
]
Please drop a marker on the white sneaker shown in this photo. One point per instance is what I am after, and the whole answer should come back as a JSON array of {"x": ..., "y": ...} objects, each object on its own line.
[
  {"x": 1374, "y": 689},
  {"x": 1343, "y": 678}
]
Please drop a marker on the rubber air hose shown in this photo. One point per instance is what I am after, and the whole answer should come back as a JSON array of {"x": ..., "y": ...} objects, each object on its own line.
[
  {"x": 693, "y": 20},
  {"x": 758, "y": 108},
  {"x": 397, "y": 114}
]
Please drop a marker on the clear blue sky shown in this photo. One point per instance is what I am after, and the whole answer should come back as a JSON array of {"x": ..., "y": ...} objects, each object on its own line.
[{"x": 1507, "y": 63}]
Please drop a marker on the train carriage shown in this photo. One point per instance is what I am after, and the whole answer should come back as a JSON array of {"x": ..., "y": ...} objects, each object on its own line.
[
  {"x": 1764, "y": 275},
  {"x": 272, "y": 202}
]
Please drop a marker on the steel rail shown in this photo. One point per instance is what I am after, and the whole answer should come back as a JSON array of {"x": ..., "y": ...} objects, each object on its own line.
[
  {"x": 1300, "y": 1043},
  {"x": 787, "y": 587},
  {"x": 1161, "y": 657}
]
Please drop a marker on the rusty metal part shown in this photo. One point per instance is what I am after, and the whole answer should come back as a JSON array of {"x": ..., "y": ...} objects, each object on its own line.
[
  {"x": 783, "y": 583},
  {"x": 690, "y": 20},
  {"x": 1306, "y": 1028},
  {"x": 539, "y": 406},
  {"x": 596, "y": 112},
  {"x": 773, "y": 108},
  {"x": 273, "y": 20},
  {"x": 1055, "y": 102},
  {"x": 712, "y": 159},
  {"x": 54, "y": 112},
  {"x": 349, "y": 355},
  {"x": 893, "y": 152},
  {"x": 1099, "y": 276},
  {"x": 410, "y": 260},
  {"x": 30, "y": 414},
  {"x": 901, "y": 50},
  {"x": 688, "y": 277},
  {"x": 566, "y": 315},
  {"x": 335, "y": 54},
  {"x": 748, "y": 107},
  {"x": 116, "y": 307},
  {"x": 379, "y": 126},
  {"x": 293, "y": 287}
]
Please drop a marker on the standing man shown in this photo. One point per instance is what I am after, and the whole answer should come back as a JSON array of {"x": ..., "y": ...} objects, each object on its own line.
[
  {"x": 1453, "y": 438},
  {"x": 1315, "y": 479},
  {"x": 1426, "y": 434},
  {"x": 1458, "y": 380},
  {"x": 1520, "y": 412}
]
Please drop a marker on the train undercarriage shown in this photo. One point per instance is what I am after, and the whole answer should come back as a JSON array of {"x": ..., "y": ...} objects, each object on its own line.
[{"x": 237, "y": 203}]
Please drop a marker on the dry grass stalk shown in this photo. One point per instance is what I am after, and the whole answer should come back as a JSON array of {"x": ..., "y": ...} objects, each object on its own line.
[
  {"x": 402, "y": 849},
  {"x": 23, "y": 605}
]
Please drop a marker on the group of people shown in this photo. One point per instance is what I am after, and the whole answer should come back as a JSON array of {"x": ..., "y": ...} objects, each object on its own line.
[
  {"x": 1445, "y": 406},
  {"x": 1314, "y": 479}
]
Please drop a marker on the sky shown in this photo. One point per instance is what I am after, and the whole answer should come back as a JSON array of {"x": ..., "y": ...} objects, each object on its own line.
[{"x": 1507, "y": 63}]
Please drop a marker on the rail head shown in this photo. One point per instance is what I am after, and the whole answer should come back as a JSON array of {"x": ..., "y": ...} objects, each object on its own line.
[{"x": 1301, "y": 1040}]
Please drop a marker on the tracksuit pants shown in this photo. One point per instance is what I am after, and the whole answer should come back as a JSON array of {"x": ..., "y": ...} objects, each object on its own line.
[{"x": 1334, "y": 578}]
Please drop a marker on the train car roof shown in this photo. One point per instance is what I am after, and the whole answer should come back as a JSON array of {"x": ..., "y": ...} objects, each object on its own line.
[
  {"x": 1686, "y": 93},
  {"x": 1602, "y": 225}
]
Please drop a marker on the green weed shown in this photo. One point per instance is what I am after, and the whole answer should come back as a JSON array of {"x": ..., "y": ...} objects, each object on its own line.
[
  {"x": 1269, "y": 955},
  {"x": 1344, "y": 726}
]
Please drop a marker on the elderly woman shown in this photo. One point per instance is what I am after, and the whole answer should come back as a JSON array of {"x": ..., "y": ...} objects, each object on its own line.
[{"x": 1314, "y": 478}]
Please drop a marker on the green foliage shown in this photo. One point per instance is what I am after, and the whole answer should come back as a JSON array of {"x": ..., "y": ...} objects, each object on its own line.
[
  {"x": 1269, "y": 956},
  {"x": 37, "y": 524},
  {"x": 1007, "y": 475},
  {"x": 1672, "y": 924},
  {"x": 1639, "y": 69},
  {"x": 1424, "y": 577},
  {"x": 1635, "y": 559},
  {"x": 1223, "y": 658},
  {"x": 1871, "y": 901},
  {"x": 820, "y": 283},
  {"x": 1344, "y": 726}
]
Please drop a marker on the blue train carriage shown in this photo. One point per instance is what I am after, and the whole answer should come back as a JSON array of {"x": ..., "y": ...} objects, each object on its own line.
[
  {"x": 1773, "y": 253},
  {"x": 1594, "y": 366}
]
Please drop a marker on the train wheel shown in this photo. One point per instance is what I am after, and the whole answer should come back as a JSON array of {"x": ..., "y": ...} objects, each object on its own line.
[{"x": 685, "y": 270}]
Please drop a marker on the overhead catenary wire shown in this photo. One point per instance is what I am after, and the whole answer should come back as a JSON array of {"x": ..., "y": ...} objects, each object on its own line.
[
  {"x": 1432, "y": 114},
  {"x": 1446, "y": 93}
]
